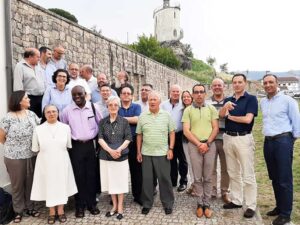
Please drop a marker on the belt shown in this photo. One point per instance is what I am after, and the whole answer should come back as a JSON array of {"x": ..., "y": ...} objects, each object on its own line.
[
  {"x": 232, "y": 133},
  {"x": 82, "y": 141},
  {"x": 285, "y": 134},
  {"x": 204, "y": 141}
]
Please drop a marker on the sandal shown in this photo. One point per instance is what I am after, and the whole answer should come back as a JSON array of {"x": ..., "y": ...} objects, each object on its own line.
[
  {"x": 33, "y": 213},
  {"x": 51, "y": 219},
  {"x": 62, "y": 218},
  {"x": 18, "y": 218}
]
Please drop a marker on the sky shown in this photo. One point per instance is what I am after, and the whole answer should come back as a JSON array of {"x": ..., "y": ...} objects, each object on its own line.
[{"x": 247, "y": 34}]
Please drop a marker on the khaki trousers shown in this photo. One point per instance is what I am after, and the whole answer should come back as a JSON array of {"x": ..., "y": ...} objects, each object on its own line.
[
  {"x": 239, "y": 152},
  {"x": 188, "y": 160}
]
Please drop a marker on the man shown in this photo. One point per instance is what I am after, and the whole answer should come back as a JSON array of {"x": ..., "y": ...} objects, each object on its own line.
[
  {"x": 121, "y": 81},
  {"x": 239, "y": 112},
  {"x": 83, "y": 120},
  {"x": 143, "y": 102},
  {"x": 200, "y": 126},
  {"x": 281, "y": 126},
  {"x": 217, "y": 100},
  {"x": 75, "y": 80},
  {"x": 29, "y": 78},
  {"x": 175, "y": 108},
  {"x": 131, "y": 112},
  {"x": 57, "y": 58},
  {"x": 105, "y": 92},
  {"x": 96, "y": 94},
  {"x": 86, "y": 72},
  {"x": 154, "y": 153}
]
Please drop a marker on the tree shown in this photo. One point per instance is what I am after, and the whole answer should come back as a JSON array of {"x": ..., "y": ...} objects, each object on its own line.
[
  {"x": 64, "y": 14},
  {"x": 224, "y": 67},
  {"x": 211, "y": 61}
]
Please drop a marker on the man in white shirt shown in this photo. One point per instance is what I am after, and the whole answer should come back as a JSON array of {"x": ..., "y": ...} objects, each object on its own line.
[
  {"x": 86, "y": 72},
  {"x": 143, "y": 102}
]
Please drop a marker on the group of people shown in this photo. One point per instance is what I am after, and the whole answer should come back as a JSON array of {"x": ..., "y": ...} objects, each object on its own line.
[{"x": 94, "y": 135}]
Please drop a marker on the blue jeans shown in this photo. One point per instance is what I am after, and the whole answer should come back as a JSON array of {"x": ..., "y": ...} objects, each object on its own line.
[{"x": 278, "y": 155}]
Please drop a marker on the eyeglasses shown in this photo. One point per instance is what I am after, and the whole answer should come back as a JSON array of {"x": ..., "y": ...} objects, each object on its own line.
[
  {"x": 126, "y": 93},
  {"x": 145, "y": 90},
  {"x": 198, "y": 92}
]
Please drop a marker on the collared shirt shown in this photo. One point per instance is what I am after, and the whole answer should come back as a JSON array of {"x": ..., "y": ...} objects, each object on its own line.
[
  {"x": 96, "y": 96},
  {"x": 49, "y": 72},
  {"x": 82, "y": 121},
  {"x": 280, "y": 115},
  {"x": 81, "y": 82},
  {"x": 245, "y": 104},
  {"x": 92, "y": 82},
  {"x": 60, "y": 64},
  {"x": 200, "y": 120},
  {"x": 133, "y": 110},
  {"x": 218, "y": 105},
  {"x": 28, "y": 79},
  {"x": 155, "y": 129},
  {"x": 144, "y": 105},
  {"x": 175, "y": 111},
  {"x": 103, "y": 108},
  {"x": 56, "y": 97}
]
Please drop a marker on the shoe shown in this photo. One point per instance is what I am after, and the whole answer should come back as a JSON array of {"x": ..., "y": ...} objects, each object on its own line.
[
  {"x": 18, "y": 218},
  {"x": 94, "y": 210},
  {"x": 189, "y": 190},
  {"x": 62, "y": 218},
  {"x": 168, "y": 211},
  {"x": 79, "y": 213},
  {"x": 154, "y": 192},
  {"x": 213, "y": 197},
  {"x": 145, "y": 211},
  {"x": 231, "y": 205},
  {"x": 280, "y": 220},
  {"x": 274, "y": 212},
  {"x": 181, "y": 187},
  {"x": 249, "y": 213},
  {"x": 199, "y": 211},
  {"x": 138, "y": 201},
  {"x": 207, "y": 211},
  {"x": 32, "y": 212},
  {"x": 110, "y": 213},
  {"x": 225, "y": 198},
  {"x": 119, "y": 216},
  {"x": 51, "y": 219}
]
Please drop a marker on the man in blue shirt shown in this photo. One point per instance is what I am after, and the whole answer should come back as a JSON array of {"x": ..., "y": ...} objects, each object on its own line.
[
  {"x": 131, "y": 112},
  {"x": 238, "y": 143},
  {"x": 281, "y": 126}
]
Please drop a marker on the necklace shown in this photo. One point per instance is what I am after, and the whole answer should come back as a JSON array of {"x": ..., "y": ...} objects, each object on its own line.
[{"x": 113, "y": 127}]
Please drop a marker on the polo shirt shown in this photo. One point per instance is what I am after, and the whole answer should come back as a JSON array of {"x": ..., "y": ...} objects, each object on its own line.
[
  {"x": 245, "y": 104},
  {"x": 155, "y": 129},
  {"x": 133, "y": 110},
  {"x": 200, "y": 119}
]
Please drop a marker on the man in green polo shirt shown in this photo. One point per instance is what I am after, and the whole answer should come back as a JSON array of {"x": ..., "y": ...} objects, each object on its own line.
[
  {"x": 200, "y": 126},
  {"x": 153, "y": 129}
]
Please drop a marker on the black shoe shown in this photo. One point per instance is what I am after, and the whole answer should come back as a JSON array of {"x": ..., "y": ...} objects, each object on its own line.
[
  {"x": 145, "y": 211},
  {"x": 231, "y": 205},
  {"x": 280, "y": 220},
  {"x": 138, "y": 201},
  {"x": 274, "y": 212},
  {"x": 110, "y": 213},
  {"x": 249, "y": 213},
  {"x": 79, "y": 213},
  {"x": 168, "y": 211},
  {"x": 181, "y": 187},
  {"x": 120, "y": 216},
  {"x": 94, "y": 210}
]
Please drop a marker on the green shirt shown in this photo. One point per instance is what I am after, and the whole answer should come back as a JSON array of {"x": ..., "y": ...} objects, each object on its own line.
[
  {"x": 200, "y": 120},
  {"x": 155, "y": 129}
]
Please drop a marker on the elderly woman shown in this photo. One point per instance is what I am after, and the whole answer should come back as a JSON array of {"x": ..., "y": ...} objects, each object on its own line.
[
  {"x": 53, "y": 179},
  {"x": 187, "y": 100},
  {"x": 114, "y": 137},
  {"x": 16, "y": 130},
  {"x": 59, "y": 94}
]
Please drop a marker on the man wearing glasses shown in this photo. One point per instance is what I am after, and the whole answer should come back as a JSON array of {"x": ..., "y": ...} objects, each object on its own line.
[
  {"x": 143, "y": 102},
  {"x": 200, "y": 126}
]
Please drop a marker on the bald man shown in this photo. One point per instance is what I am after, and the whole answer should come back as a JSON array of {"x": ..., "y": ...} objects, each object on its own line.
[{"x": 86, "y": 72}]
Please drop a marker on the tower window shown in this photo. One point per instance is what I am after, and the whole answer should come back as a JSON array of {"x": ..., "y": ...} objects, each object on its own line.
[{"x": 175, "y": 33}]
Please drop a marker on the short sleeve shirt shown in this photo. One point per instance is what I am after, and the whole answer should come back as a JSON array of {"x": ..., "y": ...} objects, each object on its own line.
[{"x": 133, "y": 110}]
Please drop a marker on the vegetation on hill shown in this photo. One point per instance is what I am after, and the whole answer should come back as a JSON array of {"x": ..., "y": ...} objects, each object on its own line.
[{"x": 64, "y": 14}]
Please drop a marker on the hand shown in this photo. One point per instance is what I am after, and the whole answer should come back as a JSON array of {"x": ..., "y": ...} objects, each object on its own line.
[
  {"x": 229, "y": 105},
  {"x": 115, "y": 154},
  {"x": 203, "y": 148},
  {"x": 139, "y": 157},
  {"x": 170, "y": 154}
]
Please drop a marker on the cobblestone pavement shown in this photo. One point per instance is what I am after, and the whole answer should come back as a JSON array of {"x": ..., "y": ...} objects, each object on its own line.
[{"x": 183, "y": 213}]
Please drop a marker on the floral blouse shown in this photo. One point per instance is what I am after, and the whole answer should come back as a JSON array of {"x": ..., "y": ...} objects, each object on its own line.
[{"x": 19, "y": 135}]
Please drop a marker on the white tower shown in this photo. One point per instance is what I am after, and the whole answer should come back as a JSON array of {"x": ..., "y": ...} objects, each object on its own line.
[{"x": 167, "y": 22}]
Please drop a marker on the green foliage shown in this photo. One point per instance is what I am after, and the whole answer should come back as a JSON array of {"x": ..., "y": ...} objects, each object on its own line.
[
  {"x": 224, "y": 67},
  {"x": 211, "y": 60},
  {"x": 167, "y": 57},
  {"x": 199, "y": 65},
  {"x": 200, "y": 71},
  {"x": 64, "y": 14}
]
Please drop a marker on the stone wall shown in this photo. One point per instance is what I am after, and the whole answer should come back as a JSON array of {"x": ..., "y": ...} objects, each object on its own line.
[{"x": 34, "y": 26}]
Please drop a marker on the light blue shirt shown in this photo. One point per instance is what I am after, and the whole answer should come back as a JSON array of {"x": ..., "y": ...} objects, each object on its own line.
[
  {"x": 96, "y": 96},
  {"x": 56, "y": 97},
  {"x": 280, "y": 115},
  {"x": 176, "y": 112}
]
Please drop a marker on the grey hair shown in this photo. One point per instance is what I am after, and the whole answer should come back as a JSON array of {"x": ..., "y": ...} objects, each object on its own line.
[
  {"x": 155, "y": 93},
  {"x": 113, "y": 98}
]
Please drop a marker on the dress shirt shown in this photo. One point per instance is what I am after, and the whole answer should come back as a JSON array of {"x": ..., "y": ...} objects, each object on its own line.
[
  {"x": 48, "y": 72},
  {"x": 82, "y": 121},
  {"x": 28, "y": 79},
  {"x": 81, "y": 82},
  {"x": 144, "y": 105},
  {"x": 280, "y": 115},
  {"x": 103, "y": 108},
  {"x": 60, "y": 64},
  {"x": 96, "y": 96},
  {"x": 92, "y": 82},
  {"x": 175, "y": 111}
]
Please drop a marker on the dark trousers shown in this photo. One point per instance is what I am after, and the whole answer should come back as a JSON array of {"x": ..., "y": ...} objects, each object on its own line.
[
  {"x": 135, "y": 170},
  {"x": 83, "y": 159},
  {"x": 159, "y": 165},
  {"x": 278, "y": 154},
  {"x": 180, "y": 166},
  {"x": 36, "y": 104}
]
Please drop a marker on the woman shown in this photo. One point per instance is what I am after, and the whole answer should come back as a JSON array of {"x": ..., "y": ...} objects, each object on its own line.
[
  {"x": 114, "y": 137},
  {"x": 16, "y": 130},
  {"x": 53, "y": 176},
  {"x": 59, "y": 94},
  {"x": 187, "y": 100}
]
